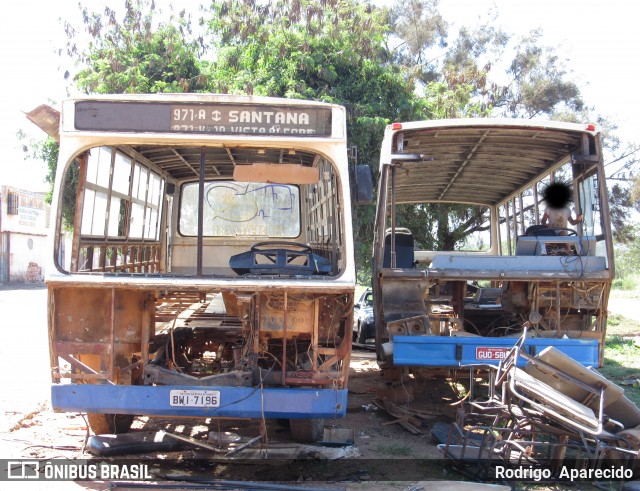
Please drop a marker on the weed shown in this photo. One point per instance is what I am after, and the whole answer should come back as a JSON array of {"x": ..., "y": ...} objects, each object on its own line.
[
  {"x": 627, "y": 283},
  {"x": 396, "y": 450},
  {"x": 622, "y": 365},
  {"x": 617, "y": 325}
]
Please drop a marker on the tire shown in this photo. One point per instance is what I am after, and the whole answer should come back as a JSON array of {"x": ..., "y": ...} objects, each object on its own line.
[
  {"x": 361, "y": 339},
  {"x": 110, "y": 424},
  {"x": 307, "y": 430}
]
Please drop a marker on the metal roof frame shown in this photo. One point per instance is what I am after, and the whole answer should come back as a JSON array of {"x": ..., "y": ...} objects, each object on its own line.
[{"x": 480, "y": 161}]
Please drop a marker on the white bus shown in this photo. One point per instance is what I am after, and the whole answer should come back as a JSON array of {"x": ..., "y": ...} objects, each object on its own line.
[
  {"x": 209, "y": 269},
  {"x": 463, "y": 261}
]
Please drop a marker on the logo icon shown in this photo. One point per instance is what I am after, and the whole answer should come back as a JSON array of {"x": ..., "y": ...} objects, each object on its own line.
[{"x": 23, "y": 469}]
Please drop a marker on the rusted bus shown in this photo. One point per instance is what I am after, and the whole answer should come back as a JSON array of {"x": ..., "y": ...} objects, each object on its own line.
[
  {"x": 209, "y": 268},
  {"x": 486, "y": 263},
  {"x": 101, "y": 335},
  {"x": 108, "y": 330},
  {"x": 102, "y": 328}
]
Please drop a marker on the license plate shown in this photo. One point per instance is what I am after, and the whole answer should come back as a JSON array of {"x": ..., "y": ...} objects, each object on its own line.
[
  {"x": 194, "y": 398},
  {"x": 488, "y": 353}
]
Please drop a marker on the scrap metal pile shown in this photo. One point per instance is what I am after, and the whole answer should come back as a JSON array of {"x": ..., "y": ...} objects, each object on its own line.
[{"x": 547, "y": 412}]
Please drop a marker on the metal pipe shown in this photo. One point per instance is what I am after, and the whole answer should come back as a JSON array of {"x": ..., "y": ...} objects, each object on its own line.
[
  {"x": 393, "y": 216},
  {"x": 77, "y": 219},
  {"x": 380, "y": 221},
  {"x": 200, "y": 211},
  {"x": 284, "y": 337}
]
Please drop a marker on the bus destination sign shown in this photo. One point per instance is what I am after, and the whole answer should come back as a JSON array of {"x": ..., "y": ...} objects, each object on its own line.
[{"x": 207, "y": 118}]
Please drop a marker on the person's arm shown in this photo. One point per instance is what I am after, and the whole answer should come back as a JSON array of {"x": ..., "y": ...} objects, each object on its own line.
[
  {"x": 545, "y": 218},
  {"x": 575, "y": 220}
]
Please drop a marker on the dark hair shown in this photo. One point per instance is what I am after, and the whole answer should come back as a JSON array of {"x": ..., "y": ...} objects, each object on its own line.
[{"x": 557, "y": 195}]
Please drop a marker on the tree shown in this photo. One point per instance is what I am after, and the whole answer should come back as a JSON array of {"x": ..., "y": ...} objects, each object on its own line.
[
  {"x": 137, "y": 55},
  {"x": 326, "y": 50},
  {"x": 534, "y": 83},
  {"x": 622, "y": 160},
  {"x": 539, "y": 84},
  {"x": 419, "y": 28}
]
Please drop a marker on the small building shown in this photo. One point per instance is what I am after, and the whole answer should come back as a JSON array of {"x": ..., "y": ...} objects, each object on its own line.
[{"x": 24, "y": 218}]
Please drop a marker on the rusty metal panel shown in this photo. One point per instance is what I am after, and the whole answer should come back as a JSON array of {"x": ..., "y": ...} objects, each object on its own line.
[
  {"x": 85, "y": 315},
  {"x": 129, "y": 309},
  {"x": 300, "y": 314},
  {"x": 82, "y": 314}
]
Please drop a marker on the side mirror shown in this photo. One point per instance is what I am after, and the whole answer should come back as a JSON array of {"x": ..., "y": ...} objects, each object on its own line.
[{"x": 361, "y": 182}]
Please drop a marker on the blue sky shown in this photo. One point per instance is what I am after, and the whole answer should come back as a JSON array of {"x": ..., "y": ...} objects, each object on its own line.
[{"x": 599, "y": 39}]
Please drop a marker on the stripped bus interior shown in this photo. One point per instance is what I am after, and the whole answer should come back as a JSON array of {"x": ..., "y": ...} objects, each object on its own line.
[{"x": 459, "y": 287}]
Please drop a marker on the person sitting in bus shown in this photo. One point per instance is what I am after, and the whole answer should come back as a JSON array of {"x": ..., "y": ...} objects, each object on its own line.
[{"x": 557, "y": 214}]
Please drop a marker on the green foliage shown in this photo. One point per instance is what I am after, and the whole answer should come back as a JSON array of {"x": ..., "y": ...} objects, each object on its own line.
[
  {"x": 396, "y": 449},
  {"x": 442, "y": 226},
  {"x": 540, "y": 82},
  {"x": 635, "y": 190},
  {"x": 619, "y": 325},
  {"x": 69, "y": 196},
  {"x": 627, "y": 260},
  {"x": 330, "y": 51},
  {"x": 621, "y": 361},
  {"x": 535, "y": 83},
  {"x": 419, "y": 26},
  {"x": 135, "y": 55},
  {"x": 621, "y": 365},
  {"x": 628, "y": 283},
  {"x": 620, "y": 205},
  {"x": 45, "y": 150}
]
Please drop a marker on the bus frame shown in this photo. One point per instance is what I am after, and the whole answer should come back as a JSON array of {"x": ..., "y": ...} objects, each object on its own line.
[
  {"x": 175, "y": 294},
  {"x": 553, "y": 285}
]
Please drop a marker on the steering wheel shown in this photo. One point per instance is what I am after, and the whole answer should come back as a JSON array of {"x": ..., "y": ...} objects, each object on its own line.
[
  {"x": 279, "y": 244},
  {"x": 280, "y": 257},
  {"x": 560, "y": 231}
]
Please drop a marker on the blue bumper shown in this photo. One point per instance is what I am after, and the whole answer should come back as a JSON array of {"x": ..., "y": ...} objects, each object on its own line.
[
  {"x": 236, "y": 402},
  {"x": 442, "y": 351}
]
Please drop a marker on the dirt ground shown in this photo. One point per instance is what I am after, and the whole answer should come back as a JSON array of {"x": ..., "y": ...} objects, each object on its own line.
[
  {"x": 384, "y": 456},
  {"x": 369, "y": 463}
]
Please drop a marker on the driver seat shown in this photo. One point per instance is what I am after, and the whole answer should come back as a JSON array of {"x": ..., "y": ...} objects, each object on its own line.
[{"x": 404, "y": 246}]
